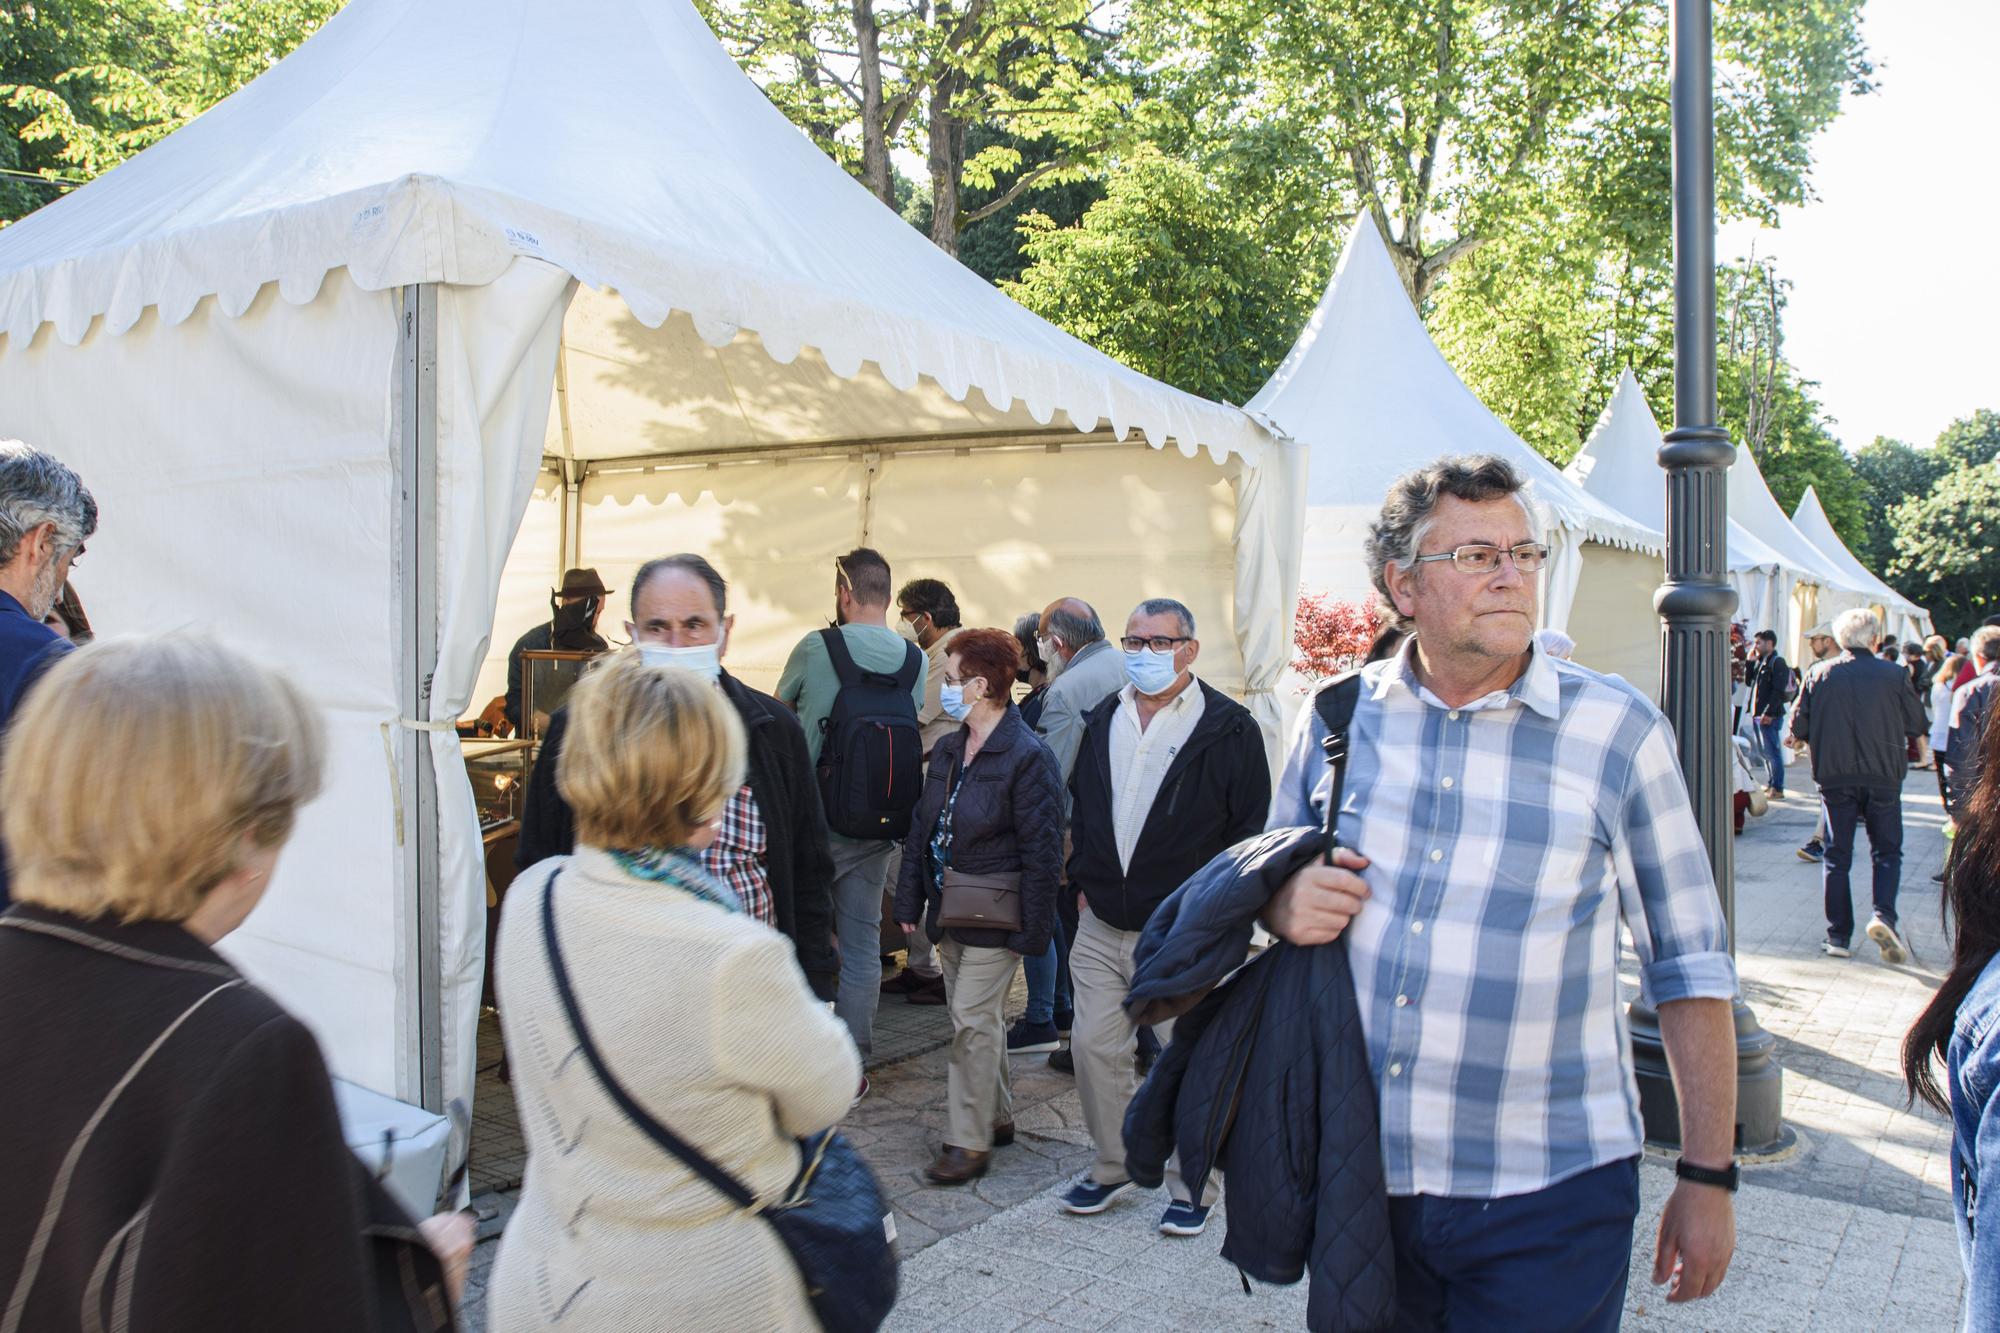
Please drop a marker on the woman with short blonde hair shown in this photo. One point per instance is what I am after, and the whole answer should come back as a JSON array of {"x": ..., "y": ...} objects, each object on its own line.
[
  {"x": 699, "y": 1012},
  {"x": 178, "y": 1161}
]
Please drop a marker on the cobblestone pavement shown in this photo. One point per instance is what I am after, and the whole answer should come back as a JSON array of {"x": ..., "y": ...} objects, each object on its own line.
[{"x": 1851, "y": 1232}]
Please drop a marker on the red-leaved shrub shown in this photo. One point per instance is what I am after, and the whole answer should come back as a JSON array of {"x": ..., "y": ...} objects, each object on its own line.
[{"x": 1332, "y": 636}]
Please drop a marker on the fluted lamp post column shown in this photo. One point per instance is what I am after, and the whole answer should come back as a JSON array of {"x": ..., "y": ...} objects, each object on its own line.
[{"x": 1696, "y": 601}]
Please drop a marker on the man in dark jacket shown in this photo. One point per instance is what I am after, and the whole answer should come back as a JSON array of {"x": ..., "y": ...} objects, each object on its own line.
[
  {"x": 772, "y": 849},
  {"x": 1171, "y": 772},
  {"x": 574, "y": 609},
  {"x": 1770, "y": 691},
  {"x": 1971, "y": 708},
  {"x": 1858, "y": 715},
  {"x": 46, "y": 514}
]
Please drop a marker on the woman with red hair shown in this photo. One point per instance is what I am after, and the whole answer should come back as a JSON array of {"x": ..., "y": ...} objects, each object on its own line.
[{"x": 979, "y": 877}]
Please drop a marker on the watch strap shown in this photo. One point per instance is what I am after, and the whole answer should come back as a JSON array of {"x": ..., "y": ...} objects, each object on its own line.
[{"x": 1702, "y": 1175}]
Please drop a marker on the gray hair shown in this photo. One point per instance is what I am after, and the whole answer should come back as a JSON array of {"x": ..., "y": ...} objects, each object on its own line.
[
  {"x": 38, "y": 488},
  {"x": 1411, "y": 507},
  {"x": 1857, "y": 630},
  {"x": 686, "y": 563},
  {"x": 1075, "y": 630},
  {"x": 1986, "y": 643},
  {"x": 1167, "y": 606}
]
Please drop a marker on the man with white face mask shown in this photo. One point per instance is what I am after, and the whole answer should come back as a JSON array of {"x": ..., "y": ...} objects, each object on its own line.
[
  {"x": 46, "y": 515},
  {"x": 772, "y": 847}
]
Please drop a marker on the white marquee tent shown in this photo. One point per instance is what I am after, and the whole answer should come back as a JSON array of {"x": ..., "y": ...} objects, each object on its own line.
[
  {"x": 1900, "y": 616},
  {"x": 314, "y": 351},
  {"x": 1620, "y": 465},
  {"x": 1370, "y": 396},
  {"x": 1813, "y": 589}
]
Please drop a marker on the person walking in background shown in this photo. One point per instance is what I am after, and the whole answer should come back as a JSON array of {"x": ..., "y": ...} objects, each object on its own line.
[
  {"x": 1770, "y": 690},
  {"x": 1919, "y": 669},
  {"x": 1961, "y": 1028},
  {"x": 992, "y": 808},
  {"x": 46, "y": 515},
  {"x": 1820, "y": 643},
  {"x": 1940, "y": 736},
  {"x": 175, "y": 1158},
  {"x": 694, "y": 1007},
  {"x": 1172, "y": 772},
  {"x": 927, "y": 615},
  {"x": 1034, "y": 671},
  {"x": 771, "y": 849},
  {"x": 1858, "y": 715},
  {"x": 1972, "y": 704},
  {"x": 811, "y": 683}
]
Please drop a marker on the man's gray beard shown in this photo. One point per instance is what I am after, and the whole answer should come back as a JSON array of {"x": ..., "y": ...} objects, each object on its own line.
[{"x": 48, "y": 587}]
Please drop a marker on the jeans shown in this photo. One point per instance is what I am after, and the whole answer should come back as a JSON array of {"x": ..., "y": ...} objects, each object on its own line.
[
  {"x": 1478, "y": 1264},
  {"x": 1048, "y": 979},
  {"x": 1881, "y": 810},
  {"x": 1769, "y": 734},
  {"x": 858, "y": 868}
]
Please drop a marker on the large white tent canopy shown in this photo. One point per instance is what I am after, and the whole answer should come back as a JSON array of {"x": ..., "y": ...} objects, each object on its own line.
[
  {"x": 1371, "y": 397},
  {"x": 1818, "y": 590},
  {"x": 1901, "y": 617},
  {"x": 457, "y": 261}
]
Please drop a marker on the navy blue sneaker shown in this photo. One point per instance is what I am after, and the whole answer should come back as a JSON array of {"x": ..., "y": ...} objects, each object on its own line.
[
  {"x": 1183, "y": 1219},
  {"x": 1027, "y": 1038},
  {"x": 1087, "y": 1196}
]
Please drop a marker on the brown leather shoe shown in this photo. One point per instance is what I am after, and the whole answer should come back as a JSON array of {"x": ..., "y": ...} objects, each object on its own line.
[
  {"x": 928, "y": 991},
  {"x": 956, "y": 1166},
  {"x": 1003, "y": 1134}
]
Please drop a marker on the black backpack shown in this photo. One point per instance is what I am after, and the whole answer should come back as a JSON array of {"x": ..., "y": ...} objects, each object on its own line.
[{"x": 871, "y": 757}]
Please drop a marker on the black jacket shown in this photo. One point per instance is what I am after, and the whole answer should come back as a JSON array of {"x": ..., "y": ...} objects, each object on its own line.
[
  {"x": 797, "y": 857},
  {"x": 1770, "y": 677},
  {"x": 1267, "y": 1080},
  {"x": 1008, "y": 818},
  {"x": 215, "y": 1189},
  {"x": 1217, "y": 792},
  {"x": 27, "y": 648},
  {"x": 1858, "y": 715}
]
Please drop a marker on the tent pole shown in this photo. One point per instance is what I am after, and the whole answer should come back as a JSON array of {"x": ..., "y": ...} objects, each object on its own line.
[{"x": 420, "y": 1076}]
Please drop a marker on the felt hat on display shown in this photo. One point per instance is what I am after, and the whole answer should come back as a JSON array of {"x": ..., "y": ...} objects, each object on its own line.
[{"x": 582, "y": 583}]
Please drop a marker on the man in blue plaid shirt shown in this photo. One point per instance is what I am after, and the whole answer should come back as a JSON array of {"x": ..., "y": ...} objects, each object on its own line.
[{"x": 1505, "y": 812}]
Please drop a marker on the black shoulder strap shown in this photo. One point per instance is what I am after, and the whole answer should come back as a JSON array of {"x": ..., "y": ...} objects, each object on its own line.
[
  {"x": 843, "y": 661},
  {"x": 907, "y": 677},
  {"x": 689, "y": 1156},
  {"x": 1335, "y": 706}
]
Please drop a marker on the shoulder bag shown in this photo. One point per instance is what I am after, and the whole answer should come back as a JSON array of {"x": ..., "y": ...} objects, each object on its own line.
[
  {"x": 832, "y": 1220},
  {"x": 976, "y": 902}
]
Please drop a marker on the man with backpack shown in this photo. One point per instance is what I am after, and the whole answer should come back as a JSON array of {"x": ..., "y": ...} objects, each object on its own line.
[
  {"x": 1772, "y": 686},
  {"x": 857, "y": 687}
]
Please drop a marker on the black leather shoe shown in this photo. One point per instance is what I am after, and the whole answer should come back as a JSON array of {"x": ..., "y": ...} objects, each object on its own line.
[
  {"x": 956, "y": 1166},
  {"x": 1062, "y": 1061},
  {"x": 1003, "y": 1134}
]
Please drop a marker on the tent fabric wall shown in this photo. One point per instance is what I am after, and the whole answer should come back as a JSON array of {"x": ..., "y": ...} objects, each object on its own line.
[
  {"x": 1616, "y": 629},
  {"x": 279, "y": 542}
]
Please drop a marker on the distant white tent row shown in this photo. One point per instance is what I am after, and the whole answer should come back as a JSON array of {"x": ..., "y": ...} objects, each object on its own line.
[
  {"x": 1369, "y": 395},
  {"x": 457, "y": 261},
  {"x": 1900, "y": 616}
]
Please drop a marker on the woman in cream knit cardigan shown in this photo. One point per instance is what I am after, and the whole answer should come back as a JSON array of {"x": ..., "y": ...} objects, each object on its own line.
[{"x": 698, "y": 1010}]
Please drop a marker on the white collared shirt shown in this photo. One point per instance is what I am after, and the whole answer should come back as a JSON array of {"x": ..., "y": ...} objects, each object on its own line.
[{"x": 1140, "y": 758}]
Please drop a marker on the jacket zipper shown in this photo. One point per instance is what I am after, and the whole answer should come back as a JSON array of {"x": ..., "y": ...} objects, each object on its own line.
[{"x": 1212, "y": 1142}]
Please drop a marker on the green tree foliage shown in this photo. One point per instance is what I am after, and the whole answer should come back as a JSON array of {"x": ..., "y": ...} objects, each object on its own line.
[
  {"x": 1948, "y": 545},
  {"x": 1970, "y": 441},
  {"x": 991, "y": 246},
  {"x": 1892, "y": 472},
  {"x": 91, "y": 83},
  {"x": 1167, "y": 274}
]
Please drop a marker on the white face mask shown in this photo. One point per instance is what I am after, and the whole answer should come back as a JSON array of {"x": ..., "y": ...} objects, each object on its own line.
[
  {"x": 703, "y": 659},
  {"x": 1046, "y": 645},
  {"x": 908, "y": 631}
]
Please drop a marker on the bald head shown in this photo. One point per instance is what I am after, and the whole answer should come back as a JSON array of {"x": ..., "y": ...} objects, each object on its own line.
[{"x": 1072, "y": 624}]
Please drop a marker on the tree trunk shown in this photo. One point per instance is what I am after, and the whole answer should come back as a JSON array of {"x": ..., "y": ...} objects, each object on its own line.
[
  {"x": 947, "y": 161},
  {"x": 875, "y": 171}
]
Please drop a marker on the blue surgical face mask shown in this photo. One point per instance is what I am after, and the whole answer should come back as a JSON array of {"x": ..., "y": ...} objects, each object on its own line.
[
  {"x": 1149, "y": 671},
  {"x": 952, "y": 699},
  {"x": 704, "y": 660}
]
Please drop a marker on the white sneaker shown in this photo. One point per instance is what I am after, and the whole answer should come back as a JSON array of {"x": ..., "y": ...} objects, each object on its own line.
[
  {"x": 1832, "y": 950},
  {"x": 1894, "y": 949}
]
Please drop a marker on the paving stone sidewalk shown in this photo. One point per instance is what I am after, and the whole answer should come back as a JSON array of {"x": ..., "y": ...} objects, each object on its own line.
[{"x": 1851, "y": 1232}]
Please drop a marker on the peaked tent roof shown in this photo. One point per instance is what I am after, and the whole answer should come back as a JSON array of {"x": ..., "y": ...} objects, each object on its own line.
[
  {"x": 1620, "y": 466},
  {"x": 437, "y": 140},
  {"x": 1752, "y": 504},
  {"x": 1811, "y": 519},
  {"x": 1368, "y": 392}
]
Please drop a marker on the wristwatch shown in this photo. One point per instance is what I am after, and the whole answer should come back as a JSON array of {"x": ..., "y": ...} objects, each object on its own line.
[{"x": 1702, "y": 1175}]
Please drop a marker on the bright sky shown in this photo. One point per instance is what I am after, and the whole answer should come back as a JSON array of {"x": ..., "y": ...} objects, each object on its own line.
[{"x": 1895, "y": 304}]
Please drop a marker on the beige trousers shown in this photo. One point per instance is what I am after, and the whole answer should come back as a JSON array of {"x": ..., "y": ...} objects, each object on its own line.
[
  {"x": 1105, "y": 1045},
  {"x": 977, "y": 1092}
]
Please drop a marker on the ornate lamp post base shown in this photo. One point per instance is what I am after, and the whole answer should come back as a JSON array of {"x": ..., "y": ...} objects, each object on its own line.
[{"x": 1761, "y": 1131}]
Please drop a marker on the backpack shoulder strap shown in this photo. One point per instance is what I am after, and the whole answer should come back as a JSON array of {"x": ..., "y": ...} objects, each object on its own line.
[
  {"x": 907, "y": 676},
  {"x": 1335, "y": 705},
  {"x": 843, "y": 661}
]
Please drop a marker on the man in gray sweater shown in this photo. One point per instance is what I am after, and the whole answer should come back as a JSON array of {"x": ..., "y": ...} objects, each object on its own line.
[{"x": 1858, "y": 714}]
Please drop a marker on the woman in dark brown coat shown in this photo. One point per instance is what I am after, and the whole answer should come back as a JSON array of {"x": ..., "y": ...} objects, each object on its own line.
[{"x": 173, "y": 1159}]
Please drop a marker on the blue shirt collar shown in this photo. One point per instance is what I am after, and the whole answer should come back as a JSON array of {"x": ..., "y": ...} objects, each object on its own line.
[{"x": 1539, "y": 687}]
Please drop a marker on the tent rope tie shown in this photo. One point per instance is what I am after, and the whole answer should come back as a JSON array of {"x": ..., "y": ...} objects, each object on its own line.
[{"x": 389, "y": 754}]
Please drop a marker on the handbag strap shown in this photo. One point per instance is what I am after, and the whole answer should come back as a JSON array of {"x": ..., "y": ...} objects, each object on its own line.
[{"x": 689, "y": 1156}]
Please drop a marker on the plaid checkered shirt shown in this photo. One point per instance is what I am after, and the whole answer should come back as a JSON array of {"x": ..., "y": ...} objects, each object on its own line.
[
  {"x": 737, "y": 855},
  {"x": 1506, "y": 841}
]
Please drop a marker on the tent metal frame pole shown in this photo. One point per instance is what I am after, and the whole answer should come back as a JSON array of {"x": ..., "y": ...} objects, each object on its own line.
[{"x": 420, "y": 1077}]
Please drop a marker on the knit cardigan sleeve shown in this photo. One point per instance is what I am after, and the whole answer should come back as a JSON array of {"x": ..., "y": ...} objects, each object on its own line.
[{"x": 772, "y": 1035}]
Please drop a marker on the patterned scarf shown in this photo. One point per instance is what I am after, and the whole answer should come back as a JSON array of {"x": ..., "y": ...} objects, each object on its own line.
[{"x": 679, "y": 867}]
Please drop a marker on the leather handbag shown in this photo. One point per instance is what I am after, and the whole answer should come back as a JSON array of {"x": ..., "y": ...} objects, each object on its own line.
[
  {"x": 980, "y": 902},
  {"x": 832, "y": 1220}
]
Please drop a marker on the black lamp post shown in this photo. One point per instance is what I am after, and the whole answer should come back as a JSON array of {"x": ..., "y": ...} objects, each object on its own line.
[{"x": 1696, "y": 601}]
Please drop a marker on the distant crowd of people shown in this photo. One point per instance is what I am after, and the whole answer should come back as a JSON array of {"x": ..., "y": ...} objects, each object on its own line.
[{"x": 690, "y": 964}]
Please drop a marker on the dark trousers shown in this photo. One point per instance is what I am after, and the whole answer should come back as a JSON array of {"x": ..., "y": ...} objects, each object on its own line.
[
  {"x": 1881, "y": 811},
  {"x": 1770, "y": 734},
  {"x": 1554, "y": 1260}
]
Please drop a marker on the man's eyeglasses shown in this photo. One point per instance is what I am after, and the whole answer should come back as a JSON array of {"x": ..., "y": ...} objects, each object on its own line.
[
  {"x": 1481, "y": 559},
  {"x": 1159, "y": 643}
]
